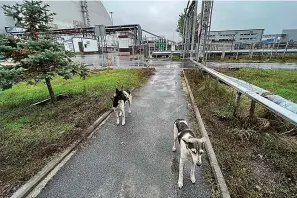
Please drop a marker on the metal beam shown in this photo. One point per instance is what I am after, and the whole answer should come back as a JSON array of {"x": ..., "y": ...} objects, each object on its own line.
[
  {"x": 194, "y": 25},
  {"x": 275, "y": 108},
  {"x": 150, "y": 33}
]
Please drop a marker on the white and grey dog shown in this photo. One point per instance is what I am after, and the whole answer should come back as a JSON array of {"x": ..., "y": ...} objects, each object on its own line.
[
  {"x": 119, "y": 100},
  {"x": 190, "y": 147}
]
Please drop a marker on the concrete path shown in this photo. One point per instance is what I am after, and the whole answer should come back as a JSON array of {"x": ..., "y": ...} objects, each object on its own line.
[{"x": 134, "y": 160}]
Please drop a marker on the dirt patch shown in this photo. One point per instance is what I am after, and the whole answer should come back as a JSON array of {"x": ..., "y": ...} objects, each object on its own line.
[{"x": 256, "y": 160}]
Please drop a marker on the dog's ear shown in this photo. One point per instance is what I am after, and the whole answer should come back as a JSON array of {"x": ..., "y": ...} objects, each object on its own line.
[
  {"x": 188, "y": 141},
  {"x": 202, "y": 141},
  {"x": 203, "y": 146},
  {"x": 117, "y": 90}
]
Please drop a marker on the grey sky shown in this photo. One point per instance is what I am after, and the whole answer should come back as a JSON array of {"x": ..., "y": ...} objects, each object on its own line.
[{"x": 160, "y": 17}]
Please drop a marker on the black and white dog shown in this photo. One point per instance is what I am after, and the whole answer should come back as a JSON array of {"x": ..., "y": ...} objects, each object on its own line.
[
  {"x": 190, "y": 147},
  {"x": 118, "y": 104}
]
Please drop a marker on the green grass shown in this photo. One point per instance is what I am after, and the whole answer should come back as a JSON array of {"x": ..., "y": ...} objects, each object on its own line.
[
  {"x": 25, "y": 93},
  {"x": 255, "y": 161},
  {"x": 289, "y": 58},
  {"x": 280, "y": 82},
  {"x": 175, "y": 58},
  {"x": 31, "y": 135}
]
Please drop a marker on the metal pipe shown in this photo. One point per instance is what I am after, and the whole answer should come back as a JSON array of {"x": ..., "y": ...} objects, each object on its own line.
[{"x": 275, "y": 108}]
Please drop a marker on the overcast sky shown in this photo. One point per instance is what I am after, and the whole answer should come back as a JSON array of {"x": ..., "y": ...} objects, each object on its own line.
[{"x": 160, "y": 17}]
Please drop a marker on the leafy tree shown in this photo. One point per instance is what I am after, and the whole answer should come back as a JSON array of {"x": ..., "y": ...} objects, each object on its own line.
[
  {"x": 38, "y": 59},
  {"x": 180, "y": 24}
]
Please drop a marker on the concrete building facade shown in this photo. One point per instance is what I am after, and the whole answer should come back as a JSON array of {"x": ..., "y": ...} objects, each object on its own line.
[
  {"x": 287, "y": 35},
  {"x": 244, "y": 36},
  {"x": 69, "y": 14},
  {"x": 290, "y": 35}
]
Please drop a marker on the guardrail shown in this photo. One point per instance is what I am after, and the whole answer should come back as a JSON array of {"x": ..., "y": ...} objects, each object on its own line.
[{"x": 275, "y": 108}]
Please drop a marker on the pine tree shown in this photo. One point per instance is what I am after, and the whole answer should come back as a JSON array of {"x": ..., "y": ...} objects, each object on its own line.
[
  {"x": 9, "y": 75},
  {"x": 40, "y": 59}
]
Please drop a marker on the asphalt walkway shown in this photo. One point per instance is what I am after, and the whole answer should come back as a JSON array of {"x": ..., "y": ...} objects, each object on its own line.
[{"x": 134, "y": 160}]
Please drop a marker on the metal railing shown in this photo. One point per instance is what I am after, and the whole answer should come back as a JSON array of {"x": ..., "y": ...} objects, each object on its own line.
[{"x": 255, "y": 97}]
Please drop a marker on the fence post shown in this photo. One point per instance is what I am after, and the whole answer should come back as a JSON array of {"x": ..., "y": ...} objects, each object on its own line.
[
  {"x": 252, "y": 109},
  {"x": 237, "y": 50},
  {"x": 285, "y": 49},
  {"x": 237, "y": 102},
  {"x": 252, "y": 51}
]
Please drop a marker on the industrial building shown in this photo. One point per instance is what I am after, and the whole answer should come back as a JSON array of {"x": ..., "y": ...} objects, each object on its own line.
[
  {"x": 70, "y": 14},
  {"x": 290, "y": 35},
  {"x": 272, "y": 38},
  {"x": 244, "y": 36},
  {"x": 287, "y": 35}
]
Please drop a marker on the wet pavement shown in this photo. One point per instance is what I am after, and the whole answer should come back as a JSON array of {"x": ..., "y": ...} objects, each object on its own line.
[
  {"x": 97, "y": 61},
  {"x": 134, "y": 160},
  {"x": 254, "y": 65}
]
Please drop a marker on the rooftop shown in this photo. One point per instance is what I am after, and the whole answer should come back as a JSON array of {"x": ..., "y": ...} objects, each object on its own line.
[{"x": 234, "y": 30}]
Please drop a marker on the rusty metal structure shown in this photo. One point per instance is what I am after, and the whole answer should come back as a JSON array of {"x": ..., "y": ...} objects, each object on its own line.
[{"x": 197, "y": 24}]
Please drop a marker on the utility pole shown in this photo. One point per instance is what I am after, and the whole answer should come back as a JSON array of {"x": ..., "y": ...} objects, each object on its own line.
[
  {"x": 194, "y": 27},
  {"x": 111, "y": 17},
  {"x": 204, "y": 28},
  {"x": 185, "y": 33}
]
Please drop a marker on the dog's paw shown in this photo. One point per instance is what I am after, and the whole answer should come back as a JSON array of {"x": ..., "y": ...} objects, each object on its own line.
[
  {"x": 130, "y": 111},
  {"x": 120, "y": 114},
  {"x": 193, "y": 180},
  {"x": 173, "y": 149},
  {"x": 118, "y": 122},
  {"x": 123, "y": 123},
  {"x": 180, "y": 184}
]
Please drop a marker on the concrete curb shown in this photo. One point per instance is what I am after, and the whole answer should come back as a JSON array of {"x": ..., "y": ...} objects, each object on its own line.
[
  {"x": 24, "y": 190},
  {"x": 211, "y": 154}
]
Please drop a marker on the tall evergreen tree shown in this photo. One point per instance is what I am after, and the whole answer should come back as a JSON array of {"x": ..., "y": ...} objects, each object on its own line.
[{"x": 40, "y": 59}]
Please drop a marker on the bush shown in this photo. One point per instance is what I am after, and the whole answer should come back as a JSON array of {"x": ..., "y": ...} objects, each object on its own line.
[{"x": 176, "y": 58}]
